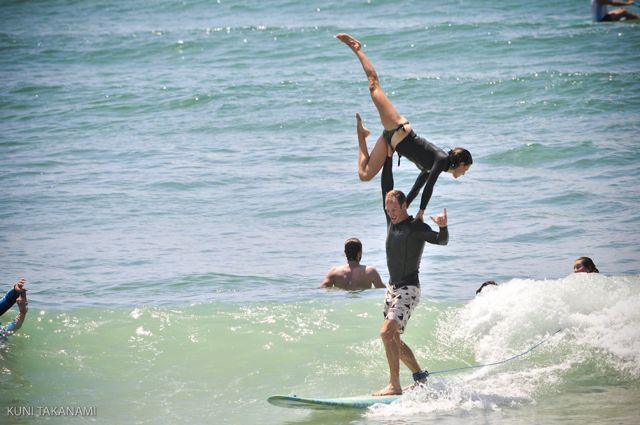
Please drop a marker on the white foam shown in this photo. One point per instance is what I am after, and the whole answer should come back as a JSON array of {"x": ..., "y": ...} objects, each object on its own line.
[{"x": 600, "y": 325}]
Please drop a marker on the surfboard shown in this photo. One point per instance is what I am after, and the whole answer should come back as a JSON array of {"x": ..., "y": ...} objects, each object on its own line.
[{"x": 354, "y": 402}]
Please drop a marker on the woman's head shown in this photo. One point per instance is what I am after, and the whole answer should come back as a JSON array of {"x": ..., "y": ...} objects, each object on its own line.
[
  {"x": 584, "y": 265},
  {"x": 460, "y": 161}
]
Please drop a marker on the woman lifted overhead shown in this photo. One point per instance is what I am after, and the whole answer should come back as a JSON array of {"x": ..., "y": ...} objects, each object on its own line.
[{"x": 399, "y": 136}]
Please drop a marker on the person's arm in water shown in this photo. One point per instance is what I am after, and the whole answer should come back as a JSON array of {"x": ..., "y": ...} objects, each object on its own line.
[
  {"x": 10, "y": 298},
  {"x": 16, "y": 323},
  {"x": 617, "y": 2}
]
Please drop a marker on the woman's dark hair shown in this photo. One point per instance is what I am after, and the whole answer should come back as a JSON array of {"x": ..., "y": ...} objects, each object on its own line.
[
  {"x": 352, "y": 249},
  {"x": 459, "y": 155},
  {"x": 588, "y": 264}
]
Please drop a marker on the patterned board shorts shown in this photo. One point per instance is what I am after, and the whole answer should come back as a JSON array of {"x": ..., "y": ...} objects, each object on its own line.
[{"x": 400, "y": 302}]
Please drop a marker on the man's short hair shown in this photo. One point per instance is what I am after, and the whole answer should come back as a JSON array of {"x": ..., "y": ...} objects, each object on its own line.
[
  {"x": 352, "y": 249},
  {"x": 397, "y": 194}
]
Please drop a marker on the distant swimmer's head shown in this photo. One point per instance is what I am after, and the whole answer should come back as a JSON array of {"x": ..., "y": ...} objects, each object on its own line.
[
  {"x": 395, "y": 203},
  {"x": 460, "y": 161},
  {"x": 487, "y": 283},
  {"x": 584, "y": 265},
  {"x": 353, "y": 249}
]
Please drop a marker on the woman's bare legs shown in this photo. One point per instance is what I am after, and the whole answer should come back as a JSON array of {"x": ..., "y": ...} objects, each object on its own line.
[
  {"x": 369, "y": 164},
  {"x": 389, "y": 116}
]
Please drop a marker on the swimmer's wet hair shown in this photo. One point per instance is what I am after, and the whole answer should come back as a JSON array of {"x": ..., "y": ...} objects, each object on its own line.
[
  {"x": 588, "y": 264},
  {"x": 352, "y": 248},
  {"x": 488, "y": 282}
]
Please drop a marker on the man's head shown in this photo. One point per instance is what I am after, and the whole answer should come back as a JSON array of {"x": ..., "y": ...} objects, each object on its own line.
[
  {"x": 353, "y": 249},
  {"x": 395, "y": 203}
]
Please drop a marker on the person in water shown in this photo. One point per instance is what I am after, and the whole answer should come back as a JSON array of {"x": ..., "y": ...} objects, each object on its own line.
[
  {"x": 353, "y": 275},
  {"x": 17, "y": 294},
  {"x": 404, "y": 245},
  {"x": 12, "y": 296},
  {"x": 399, "y": 135},
  {"x": 601, "y": 13},
  {"x": 17, "y": 322},
  {"x": 485, "y": 284},
  {"x": 584, "y": 265}
]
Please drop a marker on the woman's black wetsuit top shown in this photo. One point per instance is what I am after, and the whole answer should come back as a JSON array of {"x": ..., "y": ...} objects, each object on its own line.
[
  {"x": 405, "y": 240},
  {"x": 429, "y": 158}
]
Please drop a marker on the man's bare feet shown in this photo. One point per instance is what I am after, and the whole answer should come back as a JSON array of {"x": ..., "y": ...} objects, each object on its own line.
[
  {"x": 362, "y": 130},
  {"x": 388, "y": 390},
  {"x": 354, "y": 44}
]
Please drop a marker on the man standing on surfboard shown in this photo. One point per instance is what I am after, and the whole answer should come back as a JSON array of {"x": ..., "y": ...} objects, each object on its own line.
[{"x": 405, "y": 243}]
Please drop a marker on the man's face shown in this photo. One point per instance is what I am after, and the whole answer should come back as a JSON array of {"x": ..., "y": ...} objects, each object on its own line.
[{"x": 395, "y": 211}]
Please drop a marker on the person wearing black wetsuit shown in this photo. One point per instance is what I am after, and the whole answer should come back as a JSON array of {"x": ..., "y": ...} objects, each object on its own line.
[
  {"x": 16, "y": 294},
  {"x": 399, "y": 135},
  {"x": 404, "y": 245},
  {"x": 10, "y": 297}
]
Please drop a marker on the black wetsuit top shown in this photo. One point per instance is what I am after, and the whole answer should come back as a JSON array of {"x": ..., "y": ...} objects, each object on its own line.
[
  {"x": 405, "y": 240},
  {"x": 429, "y": 158}
]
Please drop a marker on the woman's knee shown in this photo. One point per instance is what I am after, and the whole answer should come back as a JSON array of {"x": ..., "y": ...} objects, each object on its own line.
[{"x": 366, "y": 175}]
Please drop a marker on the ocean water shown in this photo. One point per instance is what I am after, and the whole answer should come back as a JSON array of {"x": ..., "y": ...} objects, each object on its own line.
[{"x": 177, "y": 177}]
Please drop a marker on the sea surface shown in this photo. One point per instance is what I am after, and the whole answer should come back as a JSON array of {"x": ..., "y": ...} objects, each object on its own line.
[{"x": 176, "y": 177}]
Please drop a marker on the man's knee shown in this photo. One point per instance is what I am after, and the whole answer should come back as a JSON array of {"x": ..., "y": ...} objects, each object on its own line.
[{"x": 389, "y": 330}]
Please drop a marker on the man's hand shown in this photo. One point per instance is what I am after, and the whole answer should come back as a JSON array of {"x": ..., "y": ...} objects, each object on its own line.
[{"x": 440, "y": 220}]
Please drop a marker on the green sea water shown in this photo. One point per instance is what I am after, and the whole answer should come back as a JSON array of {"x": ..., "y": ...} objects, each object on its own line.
[{"x": 218, "y": 362}]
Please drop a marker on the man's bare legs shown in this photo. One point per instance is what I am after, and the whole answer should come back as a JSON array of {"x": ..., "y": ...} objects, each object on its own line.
[
  {"x": 389, "y": 116},
  {"x": 369, "y": 165},
  {"x": 396, "y": 350}
]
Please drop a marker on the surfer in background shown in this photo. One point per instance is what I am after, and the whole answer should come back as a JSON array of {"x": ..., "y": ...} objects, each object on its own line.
[
  {"x": 353, "y": 275},
  {"x": 584, "y": 265},
  {"x": 487, "y": 283},
  {"x": 18, "y": 295},
  {"x": 17, "y": 322},
  {"x": 10, "y": 298},
  {"x": 405, "y": 243},
  {"x": 399, "y": 136},
  {"x": 600, "y": 12}
]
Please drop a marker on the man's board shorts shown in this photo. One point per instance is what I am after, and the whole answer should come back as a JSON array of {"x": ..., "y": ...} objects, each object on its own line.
[{"x": 399, "y": 303}]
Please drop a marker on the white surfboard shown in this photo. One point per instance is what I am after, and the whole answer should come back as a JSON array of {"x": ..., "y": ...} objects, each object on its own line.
[{"x": 355, "y": 402}]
